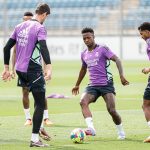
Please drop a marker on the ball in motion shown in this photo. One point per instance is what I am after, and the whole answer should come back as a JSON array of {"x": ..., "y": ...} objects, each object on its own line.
[{"x": 78, "y": 135}]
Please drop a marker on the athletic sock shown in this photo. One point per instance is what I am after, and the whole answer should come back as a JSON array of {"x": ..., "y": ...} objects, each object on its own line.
[
  {"x": 34, "y": 137},
  {"x": 89, "y": 122},
  {"x": 45, "y": 115},
  {"x": 120, "y": 128},
  {"x": 27, "y": 113},
  {"x": 148, "y": 123}
]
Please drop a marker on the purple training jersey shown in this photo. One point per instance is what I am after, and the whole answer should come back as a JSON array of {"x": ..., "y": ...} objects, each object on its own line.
[
  {"x": 148, "y": 47},
  {"x": 27, "y": 35},
  {"x": 97, "y": 63}
]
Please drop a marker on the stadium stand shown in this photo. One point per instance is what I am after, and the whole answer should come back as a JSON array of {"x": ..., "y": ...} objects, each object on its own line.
[
  {"x": 136, "y": 17},
  {"x": 145, "y": 3},
  {"x": 66, "y": 14},
  {"x": 69, "y": 16}
]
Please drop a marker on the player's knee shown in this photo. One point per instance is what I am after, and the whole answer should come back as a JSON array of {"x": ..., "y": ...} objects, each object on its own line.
[{"x": 83, "y": 102}]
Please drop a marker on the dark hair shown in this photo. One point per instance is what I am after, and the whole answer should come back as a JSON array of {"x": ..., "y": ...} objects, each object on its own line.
[
  {"x": 28, "y": 13},
  {"x": 144, "y": 26},
  {"x": 85, "y": 30},
  {"x": 42, "y": 8}
]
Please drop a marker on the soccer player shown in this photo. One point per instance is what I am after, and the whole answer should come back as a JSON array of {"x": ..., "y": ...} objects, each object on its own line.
[
  {"x": 144, "y": 30},
  {"x": 30, "y": 40},
  {"x": 25, "y": 92},
  {"x": 96, "y": 59}
]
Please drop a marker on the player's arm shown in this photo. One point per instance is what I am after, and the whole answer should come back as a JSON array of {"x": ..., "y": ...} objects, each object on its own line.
[
  {"x": 120, "y": 69},
  {"x": 44, "y": 66},
  {"x": 13, "y": 62},
  {"x": 82, "y": 73},
  {"x": 146, "y": 70},
  {"x": 46, "y": 58},
  {"x": 6, "y": 74}
]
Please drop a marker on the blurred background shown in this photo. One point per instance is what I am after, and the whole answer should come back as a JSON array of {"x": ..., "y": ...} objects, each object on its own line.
[{"x": 115, "y": 23}]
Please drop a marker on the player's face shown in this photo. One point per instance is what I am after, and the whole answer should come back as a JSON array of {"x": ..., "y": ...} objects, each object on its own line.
[
  {"x": 25, "y": 18},
  {"x": 88, "y": 39},
  {"x": 44, "y": 16},
  {"x": 145, "y": 34}
]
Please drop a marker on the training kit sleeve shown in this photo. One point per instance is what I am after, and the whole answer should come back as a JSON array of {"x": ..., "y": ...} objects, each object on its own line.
[{"x": 11, "y": 42}]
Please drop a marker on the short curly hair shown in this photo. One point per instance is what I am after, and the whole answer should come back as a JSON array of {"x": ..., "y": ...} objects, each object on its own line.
[
  {"x": 144, "y": 26},
  {"x": 87, "y": 29}
]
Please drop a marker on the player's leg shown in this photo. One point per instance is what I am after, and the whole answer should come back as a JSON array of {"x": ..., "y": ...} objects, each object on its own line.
[
  {"x": 37, "y": 119},
  {"x": 109, "y": 99},
  {"x": 42, "y": 133},
  {"x": 86, "y": 99},
  {"x": 37, "y": 87},
  {"x": 146, "y": 107},
  {"x": 39, "y": 97},
  {"x": 110, "y": 104},
  {"x": 25, "y": 100},
  {"x": 146, "y": 110},
  {"x": 146, "y": 103},
  {"x": 22, "y": 82},
  {"x": 37, "y": 84},
  {"x": 47, "y": 122}
]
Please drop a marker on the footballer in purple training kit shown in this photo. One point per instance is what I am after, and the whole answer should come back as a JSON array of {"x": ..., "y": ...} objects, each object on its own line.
[
  {"x": 30, "y": 40},
  {"x": 144, "y": 30},
  {"x": 96, "y": 60}
]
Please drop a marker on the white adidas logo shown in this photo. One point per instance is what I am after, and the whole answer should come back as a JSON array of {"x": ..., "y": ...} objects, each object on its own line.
[{"x": 24, "y": 32}]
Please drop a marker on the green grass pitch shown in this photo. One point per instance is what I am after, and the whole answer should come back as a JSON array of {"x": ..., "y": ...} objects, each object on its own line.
[{"x": 66, "y": 113}]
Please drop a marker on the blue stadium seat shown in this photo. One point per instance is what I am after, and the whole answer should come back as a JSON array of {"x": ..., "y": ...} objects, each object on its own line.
[
  {"x": 81, "y": 3},
  {"x": 65, "y": 13},
  {"x": 135, "y": 17},
  {"x": 144, "y": 3}
]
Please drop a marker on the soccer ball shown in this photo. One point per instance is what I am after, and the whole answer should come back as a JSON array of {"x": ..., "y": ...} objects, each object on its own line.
[{"x": 78, "y": 135}]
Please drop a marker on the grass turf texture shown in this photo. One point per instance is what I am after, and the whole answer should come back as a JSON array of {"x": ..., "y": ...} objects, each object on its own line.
[{"x": 66, "y": 113}]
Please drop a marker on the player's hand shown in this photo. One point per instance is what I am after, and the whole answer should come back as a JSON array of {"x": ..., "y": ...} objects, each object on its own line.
[
  {"x": 6, "y": 75},
  {"x": 47, "y": 72},
  {"x": 146, "y": 70},
  {"x": 47, "y": 75},
  {"x": 75, "y": 90},
  {"x": 13, "y": 74},
  {"x": 124, "y": 81}
]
